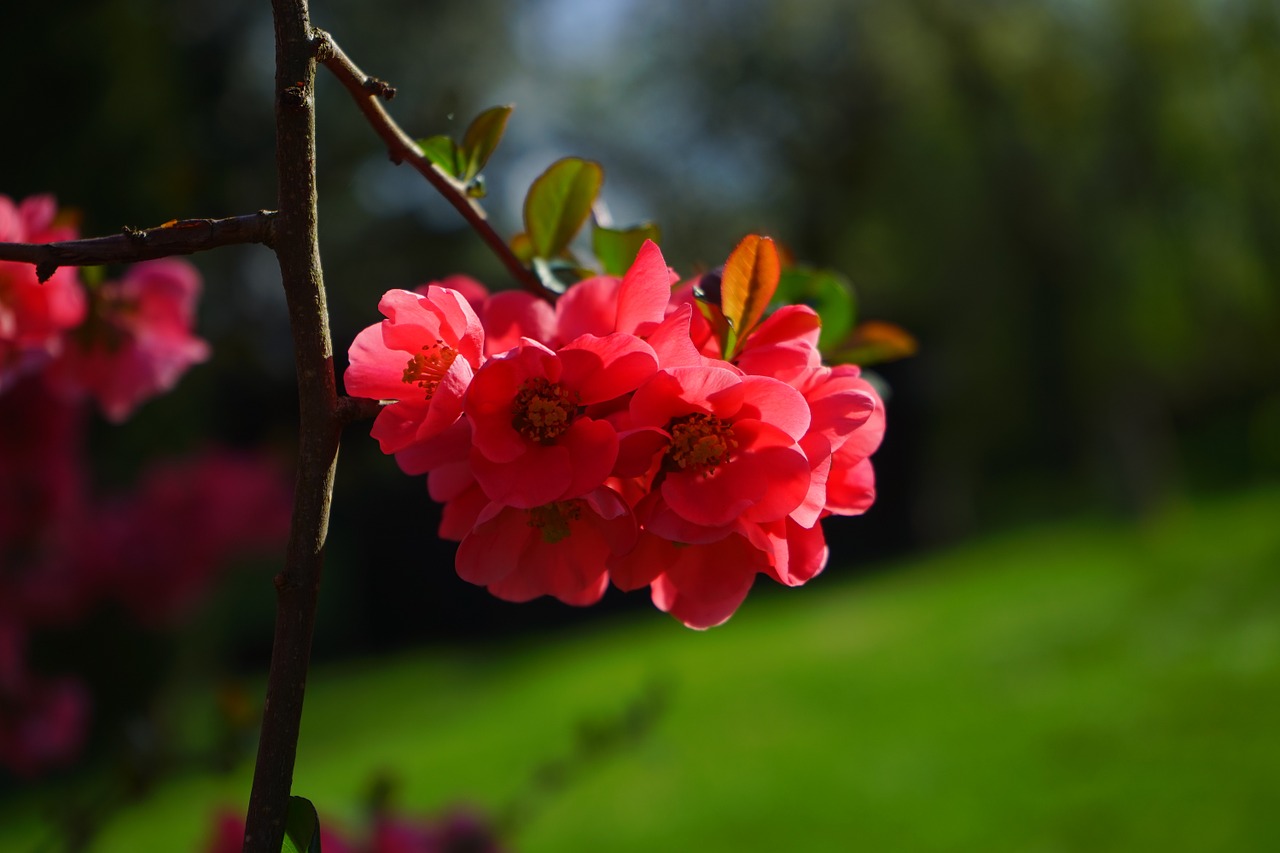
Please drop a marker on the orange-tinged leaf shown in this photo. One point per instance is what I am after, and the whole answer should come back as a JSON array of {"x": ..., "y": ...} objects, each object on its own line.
[
  {"x": 876, "y": 341},
  {"x": 749, "y": 280}
]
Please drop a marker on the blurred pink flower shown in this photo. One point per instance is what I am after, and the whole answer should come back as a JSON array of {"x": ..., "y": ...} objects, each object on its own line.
[
  {"x": 137, "y": 340},
  {"x": 33, "y": 315},
  {"x": 43, "y": 722},
  {"x": 228, "y": 836},
  {"x": 158, "y": 550}
]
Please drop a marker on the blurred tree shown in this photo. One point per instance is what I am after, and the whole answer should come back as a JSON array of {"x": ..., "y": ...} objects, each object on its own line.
[{"x": 1073, "y": 205}]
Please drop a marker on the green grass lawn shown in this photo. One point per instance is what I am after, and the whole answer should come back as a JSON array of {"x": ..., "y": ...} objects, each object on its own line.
[{"x": 1082, "y": 686}]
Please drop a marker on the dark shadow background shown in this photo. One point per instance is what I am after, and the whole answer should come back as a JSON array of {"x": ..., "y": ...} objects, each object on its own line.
[{"x": 1074, "y": 206}]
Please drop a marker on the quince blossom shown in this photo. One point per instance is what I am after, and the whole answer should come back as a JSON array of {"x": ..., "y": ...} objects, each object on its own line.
[
  {"x": 422, "y": 358},
  {"x": 535, "y": 439},
  {"x": 607, "y": 440}
]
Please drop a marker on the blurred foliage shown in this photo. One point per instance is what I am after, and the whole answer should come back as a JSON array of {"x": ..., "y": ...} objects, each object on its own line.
[{"x": 1072, "y": 206}]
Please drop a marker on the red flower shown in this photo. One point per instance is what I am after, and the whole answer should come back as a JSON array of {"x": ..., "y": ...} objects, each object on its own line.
[
  {"x": 634, "y": 304},
  {"x": 728, "y": 445},
  {"x": 701, "y": 585},
  {"x": 558, "y": 549},
  {"x": 421, "y": 357},
  {"x": 535, "y": 440}
]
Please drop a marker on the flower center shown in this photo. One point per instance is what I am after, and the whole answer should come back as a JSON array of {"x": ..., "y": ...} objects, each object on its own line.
[
  {"x": 699, "y": 443},
  {"x": 552, "y": 520},
  {"x": 543, "y": 410},
  {"x": 427, "y": 368}
]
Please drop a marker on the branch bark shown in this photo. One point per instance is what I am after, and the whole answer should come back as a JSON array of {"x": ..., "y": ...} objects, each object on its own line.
[
  {"x": 179, "y": 237},
  {"x": 297, "y": 586},
  {"x": 366, "y": 91}
]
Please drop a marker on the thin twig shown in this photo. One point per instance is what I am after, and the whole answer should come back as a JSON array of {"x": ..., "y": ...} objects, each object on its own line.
[
  {"x": 401, "y": 148},
  {"x": 178, "y": 237}
]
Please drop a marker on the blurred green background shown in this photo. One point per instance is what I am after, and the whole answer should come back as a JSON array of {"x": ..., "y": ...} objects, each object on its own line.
[{"x": 1074, "y": 206}]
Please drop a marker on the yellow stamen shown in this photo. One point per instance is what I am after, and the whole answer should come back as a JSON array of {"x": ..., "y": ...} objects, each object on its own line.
[
  {"x": 699, "y": 443},
  {"x": 543, "y": 410},
  {"x": 427, "y": 368}
]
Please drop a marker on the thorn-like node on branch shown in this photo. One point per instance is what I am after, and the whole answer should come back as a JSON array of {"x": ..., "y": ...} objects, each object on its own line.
[{"x": 381, "y": 88}]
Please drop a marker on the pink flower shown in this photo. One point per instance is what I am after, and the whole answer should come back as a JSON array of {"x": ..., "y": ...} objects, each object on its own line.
[
  {"x": 727, "y": 447},
  {"x": 844, "y": 408},
  {"x": 634, "y": 304},
  {"x": 784, "y": 345},
  {"x": 797, "y": 554},
  {"x": 33, "y": 315},
  {"x": 535, "y": 439},
  {"x": 506, "y": 316},
  {"x": 701, "y": 585},
  {"x": 453, "y": 485},
  {"x": 422, "y": 357},
  {"x": 558, "y": 549},
  {"x": 137, "y": 340},
  {"x": 849, "y": 416}
]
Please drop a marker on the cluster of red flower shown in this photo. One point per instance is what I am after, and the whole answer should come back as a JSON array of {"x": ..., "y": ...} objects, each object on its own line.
[{"x": 611, "y": 437}]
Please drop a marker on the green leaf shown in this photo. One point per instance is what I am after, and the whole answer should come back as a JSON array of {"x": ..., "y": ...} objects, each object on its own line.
[
  {"x": 747, "y": 286},
  {"x": 301, "y": 827},
  {"x": 481, "y": 138},
  {"x": 443, "y": 151},
  {"x": 826, "y": 292},
  {"x": 616, "y": 249},
  {"x": 558, "y": 202}
]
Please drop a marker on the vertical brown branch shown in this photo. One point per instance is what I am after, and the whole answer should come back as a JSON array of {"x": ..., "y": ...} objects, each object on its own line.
[{"x": 297, "y": 587}]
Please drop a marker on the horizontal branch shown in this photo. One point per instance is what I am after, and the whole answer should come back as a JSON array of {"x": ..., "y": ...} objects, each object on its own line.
[
  {"x": 402, "y": 148},
  {"x": 176, "y": 237}
]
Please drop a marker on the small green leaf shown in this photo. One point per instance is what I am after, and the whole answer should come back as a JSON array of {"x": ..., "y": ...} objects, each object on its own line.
[
  {"x": 301, "y": 827},
  {"x": 826, "y": 292},
  {"x": 747, "y": 286},
  {"x": 558, "y": 202},
  {"x": 616, "y": 249},
  {"x": 443, "y": 151},
  {"x": 481, "y": 138}
]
